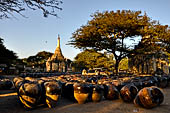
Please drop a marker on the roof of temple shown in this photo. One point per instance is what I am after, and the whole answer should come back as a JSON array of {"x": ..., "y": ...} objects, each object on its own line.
[{"x": 57, "y": 56}]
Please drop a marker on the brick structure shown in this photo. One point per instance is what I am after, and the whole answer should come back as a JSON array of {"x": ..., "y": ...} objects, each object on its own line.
[
  {"x": 149, "y": 62},
  {"x": 57, "y": 62}
]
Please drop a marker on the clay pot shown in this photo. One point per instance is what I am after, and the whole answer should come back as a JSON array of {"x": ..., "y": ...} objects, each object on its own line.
[
  {"x": 137, "y": 81},
  {"x": 121, "y": 85},
  {"x": 92, "y": 79},
  {"x": 53, "y": 91},
  {"x": 5, "y": 84},
  {"x": 46, "y": 79},
  {"x": 149, "y": 81},
  {"x": 149, "y": 97},
  {"x": 110, "y": 92},
  {"x": 81, "y": 92},
  {"x": 98, "y": 93},
  {"x": 30, "y": 94},
  {"x": 18, "y": 81},
  {"x": 163, "y": 82},
  {"x": 68, "y": 91},
  {"x": 128, "y": 92},
  {"x": 30, "y": 79}
]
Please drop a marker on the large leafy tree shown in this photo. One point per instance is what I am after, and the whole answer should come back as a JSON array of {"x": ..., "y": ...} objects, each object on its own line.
[
  {"x": 156, "y": 37},
  {"x": 9, "y": 7},
  {"x": 163, "y": 37},
  {"x": 92, "y": 59},
  {"x": 6, "y": 56},
  {"x": 110, "y": 31},
  {"x": 155, "y": 42},
  {"x": 38, "y": 60}
]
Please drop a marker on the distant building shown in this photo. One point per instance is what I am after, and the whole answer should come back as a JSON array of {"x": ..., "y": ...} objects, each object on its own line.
[
  {"x": 150, "y": 62},
  {"x": 57, "y": 62}
]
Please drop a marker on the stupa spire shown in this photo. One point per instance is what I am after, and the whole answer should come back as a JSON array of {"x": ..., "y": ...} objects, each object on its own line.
[
  {"x": 58, "y": 54},
  {"x": 58, "y": 42}
]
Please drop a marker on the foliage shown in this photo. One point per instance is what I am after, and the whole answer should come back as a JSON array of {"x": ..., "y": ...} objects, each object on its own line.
[
  {"x": 155, "y": 41},
  {"x": 123, "y": 65},
  {"x": 92, "y": 59},
  {"x": 9, "y": 7},
  {"x": 156, "y": 37},
  {"x": 168, "y": 57},
  {"x": 38, "y": 60},
  {"x": 109, "y": 31},
  {"x": 6, "y": 56}
]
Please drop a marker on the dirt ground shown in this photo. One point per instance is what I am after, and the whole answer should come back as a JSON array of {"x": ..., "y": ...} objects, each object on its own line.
[{"x": 9, "y": 103}]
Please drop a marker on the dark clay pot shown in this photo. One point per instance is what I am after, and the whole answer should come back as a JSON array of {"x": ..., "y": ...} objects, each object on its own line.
[
  {"x": 148, "y": 81},
  {"x": 30, "y": 94},
  {"x": 18, "y": 81},
  {"x": 163, "y": 82},
  {"x": 98, "y": 93},
  {"x": 128, "y": 92},
  {"x": 149, "y": 97},
  {"x": 81, "y": 92},
  {"x": 53, "y": 91},
  {"x": 110, "y": 92},
  {"x": 5, "y": 84},
  {"x": 68, "y": 91}
]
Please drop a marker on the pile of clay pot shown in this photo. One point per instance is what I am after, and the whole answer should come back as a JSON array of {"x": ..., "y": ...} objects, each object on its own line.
[
  {"x": 142, "y": 91},
  {"x": 5, "y": 84}
]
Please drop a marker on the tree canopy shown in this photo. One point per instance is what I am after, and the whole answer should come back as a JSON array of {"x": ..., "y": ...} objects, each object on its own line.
[
  {"x": 9, "y": 7},
  {"x": 157, "y": 36},
  {"x": 123, "y": 64},
  {"x": 38, "y": 60},
  {"x": 6, "y": 55},
  {"x": 92, "y": 59},
  {"x": 109, "y": 31}
]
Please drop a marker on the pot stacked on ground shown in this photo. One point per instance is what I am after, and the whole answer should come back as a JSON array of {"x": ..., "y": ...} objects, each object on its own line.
[
  {"x": 98, "y": 93},
  {"x": 34, "y": 92},
  {"x": 81, "y": 92},
  {"x": 110, "y": 92},
  {"x": 5, "y": 84},
  {"x": 149, "y": 97},
  {"x": 37, "y": 92},
  {"x": 53, "y": 91},
  {"x": 30, "y": 94},
  {"x": 128, "y": 92}
]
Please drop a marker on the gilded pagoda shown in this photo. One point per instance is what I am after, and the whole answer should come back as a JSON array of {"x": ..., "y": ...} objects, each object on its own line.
[{"x": 57, "y": 62}]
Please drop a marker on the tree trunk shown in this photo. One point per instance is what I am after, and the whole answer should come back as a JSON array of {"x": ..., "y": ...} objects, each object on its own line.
[{"x": 117, "y": 67}]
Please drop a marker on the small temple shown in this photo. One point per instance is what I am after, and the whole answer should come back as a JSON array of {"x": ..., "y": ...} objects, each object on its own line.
[
  {"x": 57, "y": 62},
  {"x": 156, "y": 62},
  {"x": 152, "y": 62}
]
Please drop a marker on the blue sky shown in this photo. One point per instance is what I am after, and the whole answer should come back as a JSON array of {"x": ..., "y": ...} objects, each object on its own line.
[{"x": 28, "y": 36}]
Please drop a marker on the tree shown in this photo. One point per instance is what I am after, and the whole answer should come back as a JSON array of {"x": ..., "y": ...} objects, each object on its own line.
[
  {"x": 1, "y": 41},
  {"x": 38, "y": 60},
  {"x": 163, "y": 35},
  {"x": 157, "y": 37},
  {"x": 123, "y": 64},
  {"x": 155, "y": 40},
  {"x": 92, "y": 59},
  {"x": 152, "y": 46},
  {"x": 110, "y": 31},
  {"x": 6, "y": 56},
  {"x": 9, "y": 7},
  {"x": 168, "y": 57}
]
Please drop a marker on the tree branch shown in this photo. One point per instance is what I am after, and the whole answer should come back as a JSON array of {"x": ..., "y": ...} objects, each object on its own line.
[{"x": 9, "y": 7}]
